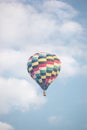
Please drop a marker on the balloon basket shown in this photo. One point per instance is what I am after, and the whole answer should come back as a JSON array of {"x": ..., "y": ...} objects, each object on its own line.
[{"x": 44, "y": 93}]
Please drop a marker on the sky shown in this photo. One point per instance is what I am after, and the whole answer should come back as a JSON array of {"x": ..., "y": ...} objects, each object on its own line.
[{"x": 31, "y": 26}]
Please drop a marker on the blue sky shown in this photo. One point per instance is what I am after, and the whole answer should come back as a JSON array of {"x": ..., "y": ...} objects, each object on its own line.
[{"x": 55, "y": 26}]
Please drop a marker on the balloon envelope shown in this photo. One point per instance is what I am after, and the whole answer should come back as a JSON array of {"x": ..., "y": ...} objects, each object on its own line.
[{"x": 44, "y": 68}]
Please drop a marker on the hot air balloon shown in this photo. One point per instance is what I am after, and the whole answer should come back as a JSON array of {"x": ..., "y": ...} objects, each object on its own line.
[{"x": 44, "y": 68}]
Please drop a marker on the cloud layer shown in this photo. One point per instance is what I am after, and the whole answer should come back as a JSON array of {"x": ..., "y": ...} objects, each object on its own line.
[
  {"x": 18, "y": 94},
  {"x": 5, "y": 126},
  {"x": 27, "y": 29}
]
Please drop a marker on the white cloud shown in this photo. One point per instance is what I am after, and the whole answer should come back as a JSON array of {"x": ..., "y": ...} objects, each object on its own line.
[
  {"x": 13, "y": 63},
  {"x": 5, "y": 126},
  {"x": 25, "y": 25},
  {"x": 61, "y": 9},
  {"x": 21, "y": 24},
  {"x": 70, "y": 28},
  {"x": 59, "y": 121},
  {"x": 15, "y": 24},
  {"x": 18, "y": 94},
  {"x": 55, "y": 120},
  {"x": 73, "y": 58},
  {"x": 11, "y": 1},
  {"x": 70, "y": 66}
]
